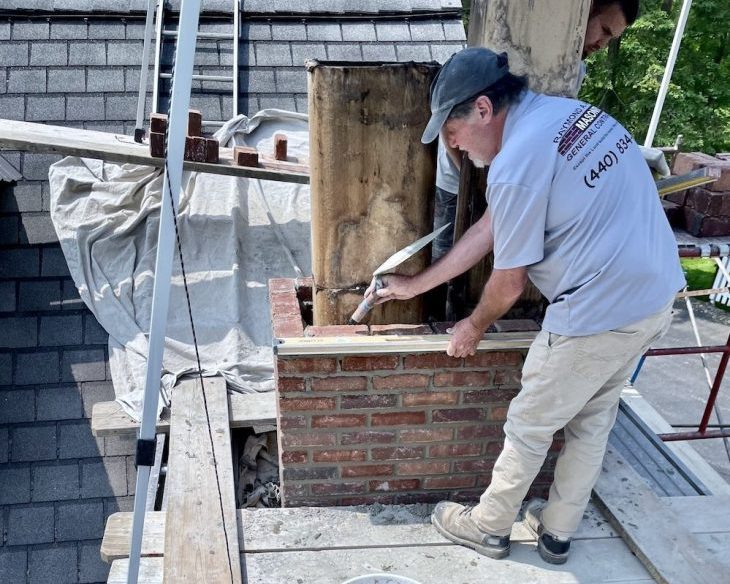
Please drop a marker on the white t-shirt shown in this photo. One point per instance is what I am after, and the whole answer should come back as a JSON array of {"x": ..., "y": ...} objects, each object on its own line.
[
  {"x": 572, "y": 199},
  {"x": 447, "y": 175}
]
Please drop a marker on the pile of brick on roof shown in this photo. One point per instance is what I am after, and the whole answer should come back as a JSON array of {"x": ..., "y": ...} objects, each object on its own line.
[{"x": 702, "y": 211}]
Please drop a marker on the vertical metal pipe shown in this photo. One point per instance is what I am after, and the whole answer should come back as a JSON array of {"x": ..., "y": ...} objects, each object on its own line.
[
  {"x": 158, "y": 56},
  {"x": 236, "y": 41},
  {"x": 142, "y": 97},
  {"x": 715, "y": 389}
]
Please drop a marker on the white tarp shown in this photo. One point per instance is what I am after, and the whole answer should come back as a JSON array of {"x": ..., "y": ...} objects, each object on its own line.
[{"x": 107, "y": 217}]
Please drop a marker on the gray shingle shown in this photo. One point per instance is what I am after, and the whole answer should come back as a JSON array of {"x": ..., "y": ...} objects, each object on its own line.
[
  {"x": 92, "y": 393},
  {"x": 392, "y": 31},
  {"x": 84, "y": 107},
  {"x": 43, "y": 295},
  {"x": 134, "y": 30},
  {"x": 58, "y": 403},
  {"x": 14, "y": 54},
  {"x": 15, "y": 485},
  {"x": 6, "y": 368},
  {"x": 106, "y": 79},
  {"x": 49, "y": 565},
  {"x": 13, "y": 564},
  {"x": 426, "y": 31},
  {"x": 21, "y": 198},
  {"x": 54, "y": 263},
  {"x": 4, "y": 36},
  {"x": 378, "y": 52},
  {"x": 4, "y": 436},
  {"x": 121, "y": 107},
  {"x": 124, "y": 53},
  {"x": 344, "y": 52},
  {"x": 414, "y": 52},
  {"x": 108, "y": 127},
  {"x": 75, "y": 440},
  {"x": 30, "y": 525},
  {"x": 248, "y": 104},
  {"x": 37, "y": 442},
  {"x": 277, "y": 102},
  {"x": 60, "y": 330},
  {"x": 324, "y": 31},
  {"x": 55, "y": 482},
  {"x": 37, "y": 228},
  {"x": 209, "y": 105},
  {"x": 35, "y": 166},
  {"x": 18, "y": 331},
  {"x": 79, "y": 520},
  {"x": 8, "y": 297},
  {"x": 3, "y": 81},
  {"x": 17, "y": 405},
  {"x": 454, "y": 31},
  {"x": 13, "y": 108},
  {"x": 256, "y": 31},
  {"x": 37, "y": 367},
  {"x": 70, "y": 299},
  {"x": 46, "y": 108},
  {"x": 69, "y": 30},
  {"x": 291, "y": 80},
  {"x": 44, "y": 54},
  {"x": 358, "y": 31},
  {"x": 106, "y": 29},
  {"x": 9, "y": 230},
  {"x": 85, "y": 365},
  {"x": 94, "y": 333},
  {"x": 91, "y": 567},
  {"x": 91, "y": 53},
  {"x": 120, "y": 446},
  {"x": 288, "y": 31},
  {"x": 441, "y": 52},
  {"x": 30, "y": 30},
  {"x": 27, "y": 81},
  {"x": 105, "y": 477},
  {"x": 206, "y": 54},
  {"x": 303, "y": 52},
  {"x": 131, "y": 80},
  {"x": 273, "y": 54},
  {"x": 19, "y": 263},
  {"x": 67, "y": 80},
  {"x": 301, "y": 103}
]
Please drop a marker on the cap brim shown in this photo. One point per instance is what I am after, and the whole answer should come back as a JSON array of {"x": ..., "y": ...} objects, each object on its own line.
[{"x": 434, "y": 125}]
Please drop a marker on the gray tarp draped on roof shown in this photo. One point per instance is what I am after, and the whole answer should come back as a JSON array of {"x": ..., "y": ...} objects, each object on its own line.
[{"x": 106, "y": 217}]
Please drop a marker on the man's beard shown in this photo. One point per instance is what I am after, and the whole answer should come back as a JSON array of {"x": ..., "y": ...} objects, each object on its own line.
[{"x": 477, "y": 162}]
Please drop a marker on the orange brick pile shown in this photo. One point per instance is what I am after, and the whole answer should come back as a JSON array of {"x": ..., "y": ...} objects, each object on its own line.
[
  {"x": 702, "y": 211},
  {"x": 388, "y": 428}
]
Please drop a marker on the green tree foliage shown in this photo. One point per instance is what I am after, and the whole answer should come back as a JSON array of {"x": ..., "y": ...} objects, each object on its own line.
[{"x": 624, "y": 80}]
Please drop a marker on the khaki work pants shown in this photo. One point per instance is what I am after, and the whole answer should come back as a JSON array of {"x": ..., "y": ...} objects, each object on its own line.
[{"x": 567, "y": 382}]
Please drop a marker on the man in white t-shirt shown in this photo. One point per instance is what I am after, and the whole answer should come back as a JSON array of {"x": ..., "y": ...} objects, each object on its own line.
[
  {"x": 573, "y": 207},
  {"x": 607, "y": 20}
]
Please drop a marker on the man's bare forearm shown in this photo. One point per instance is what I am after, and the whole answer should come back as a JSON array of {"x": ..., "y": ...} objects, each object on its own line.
[{"x": 500, "y": 293}]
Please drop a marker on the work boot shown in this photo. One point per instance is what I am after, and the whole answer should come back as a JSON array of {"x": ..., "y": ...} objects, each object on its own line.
[
  {"x": 551, "y": 548},
  {"x": 455, "y": 523}
]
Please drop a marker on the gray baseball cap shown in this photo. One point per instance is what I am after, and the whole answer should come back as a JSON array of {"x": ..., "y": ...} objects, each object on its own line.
[{"x": 464, "y": 75}]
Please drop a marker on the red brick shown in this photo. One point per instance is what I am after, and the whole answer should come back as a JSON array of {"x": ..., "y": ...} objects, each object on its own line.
[
  {"x": 339, "y": 383},
  {"x": 454, "y": 482},
  {"x": 480, "y": 431},
  {"x": 195, "y": 123},
  {"x": 715, "y": 227},
  {"x": 494, "y": 359},
  {"x": 284, "y": 306},
  {"x": 308, "y": 439},
  {"x": 395, "y": 485},
  {"x": 401, "y": 381},
  {"x": 489, "y": 395},
  {"x": 431, "y": 361},
  {"x": 516, "y": 325},
  {"x": 463, "y": 379},
  {"x": 423, "y": 468},
  {"x": 398, "y": 419},
  {"x": 706, "y": 202},
  {"x": 444, "y": 450},
  {"x": 481, "y": 465},
  {"x": 357, "y": 363},
  {"x": 368, "y": 401},
  {"x": 289, "y": 422},
  {"x": 339, "y": 330},
  {"x": 485, "y": 479},
  {"x": 287, "y": 328},
  {"x": 294, "y": 490},
  {"x": 494, "y": 448},
  {"x": 212, "y": 150},
  {"x": 279, "y": 285},
  {"x": 290, "y": 384},
  {"x": 368, "y": 500},
  {"x": 368, "y": 470},
  {"x": 688, "y": 161},
  {"x": 306, "y": 365},
  {"x": 367, "y": 437},
  {"x": 508, "y": 377},
  {"x": 293, "y": 457},
  {"x": 280, "y": 146},
  {"x": 338, "y": 421},
  {"x": 245, "y": 156},
  {"x": 397, "y": 453},
  {"x": 338, "y": 488},
  {"x": 158, "y": 123},
  {"x": 195, "y": 148},
  {"x": 427, "y": 435},
  {"x": 157, "y": 144},
  {"x": 430, "y": 398},
  {"x": 459, "y": 415},
  {"x": 425, "y": 498},
  {"x": 306, "y": 403},
  {"x": 677, "y": 198},
  {"x": 400, "y": 329},
  {"x": 339, "y": 456},
  {"x": 498, "y": 413}
]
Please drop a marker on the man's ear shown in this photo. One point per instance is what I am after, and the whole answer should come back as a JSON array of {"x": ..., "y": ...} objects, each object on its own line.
[{"x": 484, "y": 108}]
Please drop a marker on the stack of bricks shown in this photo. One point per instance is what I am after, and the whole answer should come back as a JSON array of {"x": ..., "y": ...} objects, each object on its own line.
[
  {"x": 197, "y": 147},
  {"x": 388, "y": 427},
  {"x": 702, "y": 211}
]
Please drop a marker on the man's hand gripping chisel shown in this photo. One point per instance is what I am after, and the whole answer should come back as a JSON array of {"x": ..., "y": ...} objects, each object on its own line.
[{"x": 389, "y": 265}]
